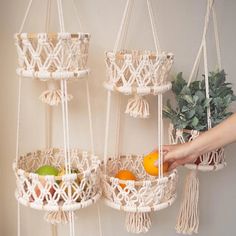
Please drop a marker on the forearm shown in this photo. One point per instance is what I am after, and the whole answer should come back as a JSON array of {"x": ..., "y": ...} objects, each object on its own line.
[{"x": 219, "y": 136}]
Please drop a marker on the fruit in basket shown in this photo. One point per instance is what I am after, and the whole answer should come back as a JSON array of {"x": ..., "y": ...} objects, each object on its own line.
[
  {"x": 47, "y": 170},
  {"x": 43, "y": 171},
  {"x": 125, "y": 175},
  {"x": 149, "y": 164}
]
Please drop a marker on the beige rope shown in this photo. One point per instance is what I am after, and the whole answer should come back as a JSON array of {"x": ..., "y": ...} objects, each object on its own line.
[
  {"x": 188, "y": 218},
  {"x": 138, "y": 222}
]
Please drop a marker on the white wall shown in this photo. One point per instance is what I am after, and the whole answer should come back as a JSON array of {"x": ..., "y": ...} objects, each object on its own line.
[{"x": 180, "y": 28}]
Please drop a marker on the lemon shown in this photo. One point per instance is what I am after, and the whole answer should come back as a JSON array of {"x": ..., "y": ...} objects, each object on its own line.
[{"x": 47, "y": 170}]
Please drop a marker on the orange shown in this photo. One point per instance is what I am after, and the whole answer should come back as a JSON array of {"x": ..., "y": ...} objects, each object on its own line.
[
  {"x": 125, "y": 175},
  {"x": 149, "y": 161}
]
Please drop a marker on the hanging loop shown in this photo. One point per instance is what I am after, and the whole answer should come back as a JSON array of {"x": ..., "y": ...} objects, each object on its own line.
[{"x": 124, "y": 26}]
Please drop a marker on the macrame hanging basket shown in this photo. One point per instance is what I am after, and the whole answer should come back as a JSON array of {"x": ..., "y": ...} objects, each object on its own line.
[
  {"x": 188, "y": 217},
  {"x": 67, "y": 192},
  {"x": 137, "y": 198},
  {"x": 52, "y": 55},
  {"x": 210, "y": 161},
  {"x": 138, "y": 73}
]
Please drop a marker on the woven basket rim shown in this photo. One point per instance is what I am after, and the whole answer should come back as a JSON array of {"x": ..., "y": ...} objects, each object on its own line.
[
  {"x": 134, "y": 54},
  {"x": 53, "y": 35},
  {"x": 92, "y": 169},
  {"x": 169, "y": 176}
]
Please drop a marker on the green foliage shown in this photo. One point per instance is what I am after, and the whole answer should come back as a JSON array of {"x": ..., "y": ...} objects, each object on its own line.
[{"x": 192, "y": 104}]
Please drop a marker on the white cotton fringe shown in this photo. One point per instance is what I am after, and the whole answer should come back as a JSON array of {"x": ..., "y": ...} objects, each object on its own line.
[
  {"x": 138, "y": 222},
  {"x": 57, "y": 217},
  {"x": 188, "y": 218},
  {"x": 53, "y": 97},
  {"x": 137, "y": 107}
]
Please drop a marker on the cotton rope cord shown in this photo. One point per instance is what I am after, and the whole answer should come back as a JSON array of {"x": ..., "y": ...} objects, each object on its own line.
[
  {"x": 90, "y": 117},
  {"x": 124, "y": 22},
  {"x": 159, "y": 137},
  {"x": 25, "y": 16},
  {"x": 153, "y": 25},
  {"x": 210, "y": 8},
  {"x": 17, "y": 148},
  {"x": 99, "y": 220},
  {"x": 188, "y": 219},
  {"x": 60, "y": 15},
  {"x": 66, "y": 144},
  {"x": 217, "y": 39},
  {"x": 77, "y": 15},
  {"x": 107, "y": 129},
  {"x": 64, "y": 129},
  {"x": 117, "y": 140},
  {"x": 207, "y": 84},
  {"x": 18, "y": 219},
  {"x": 48, "y": 15}
]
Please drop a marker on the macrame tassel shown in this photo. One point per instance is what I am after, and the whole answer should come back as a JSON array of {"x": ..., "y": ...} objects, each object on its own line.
[
  {"x": 138, "y": 222},
  {"x": 137, "y": 107},
  {"x": 188, "y": 219},
  {"x": 57, "y": 217},
  {"x": 53, "y": 96}
]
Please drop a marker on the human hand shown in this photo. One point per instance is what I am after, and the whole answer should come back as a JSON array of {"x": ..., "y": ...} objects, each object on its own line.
[{"x": 178, "y": 154}]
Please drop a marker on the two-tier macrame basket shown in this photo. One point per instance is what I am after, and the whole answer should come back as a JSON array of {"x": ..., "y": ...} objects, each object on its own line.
[
  {"x": 136, "y": 73},
  {"x": 55, "y": 58},
  {"x": 188, "y": 218}
]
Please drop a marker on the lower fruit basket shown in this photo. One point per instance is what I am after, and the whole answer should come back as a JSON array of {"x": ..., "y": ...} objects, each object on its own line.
[
  {"x": 138, "y": 198},
  {"x": 65, "y": 192}
]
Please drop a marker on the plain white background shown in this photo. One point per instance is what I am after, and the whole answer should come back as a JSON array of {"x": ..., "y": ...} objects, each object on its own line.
[{"x": 180, "y": 24}]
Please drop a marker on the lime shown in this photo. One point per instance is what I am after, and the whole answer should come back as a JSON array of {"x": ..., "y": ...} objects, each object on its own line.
[{"x": 47, "y": 170}]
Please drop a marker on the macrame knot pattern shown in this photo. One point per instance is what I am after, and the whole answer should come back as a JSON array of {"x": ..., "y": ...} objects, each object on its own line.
[
  {"x": 52, "y": 55},
  {"x": 211, "y": 161},
  {"x": 140, "y": 73}
]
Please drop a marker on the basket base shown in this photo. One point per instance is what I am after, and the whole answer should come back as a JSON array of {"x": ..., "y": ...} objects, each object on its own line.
[
  {"x": 154, "y": 90},
  {"x": 141, "y": 209},
  {"x": 206, "y": 168},
  {"x": 57, "y": 207},
  {"x": 46, "y": 75}
]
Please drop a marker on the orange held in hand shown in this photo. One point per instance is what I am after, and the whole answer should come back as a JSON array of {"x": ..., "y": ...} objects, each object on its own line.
[
  {"x": 149, "y": 164},
  {"x": 125, "y": 175}
]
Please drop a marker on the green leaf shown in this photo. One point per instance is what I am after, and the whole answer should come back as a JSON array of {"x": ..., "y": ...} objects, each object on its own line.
[
  {"x": 195, "y": 121},
  {"x": 188, "y": 99}
]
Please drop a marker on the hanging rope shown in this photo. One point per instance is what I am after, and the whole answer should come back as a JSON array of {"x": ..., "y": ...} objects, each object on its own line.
[
  {"x": 77, "y": 16},
  {"x": 154, "y": 28},
  {"x": 188, "y": 218},
  {"x": 90, "y": 117},
  {"x": 25, "y": 16}
]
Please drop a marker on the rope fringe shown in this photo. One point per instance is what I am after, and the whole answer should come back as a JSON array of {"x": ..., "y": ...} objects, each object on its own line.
[
  {"x": 57, "y": 217},
  {"x": 188, "y": 218},
  {"x": 137, "y": 107},
  {"x": 53, "y": 97},
  {"x": 138, "y": 222}
]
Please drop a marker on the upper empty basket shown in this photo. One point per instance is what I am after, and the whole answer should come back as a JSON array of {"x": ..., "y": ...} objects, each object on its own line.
[
  {"x": 52, "y": 55},
  {"x": 47, "y": 55},
  {"x": 137, "y": 72}
]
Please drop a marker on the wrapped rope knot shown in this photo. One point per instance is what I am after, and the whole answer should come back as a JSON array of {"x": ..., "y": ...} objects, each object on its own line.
[
  {"x": 188, "y": 218},
  {"x": 138, "y": 107},
  {"x": 138, "y": 222},
  {"x": 57, "y": 217},
  {"x": 53, "y": 96}
]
